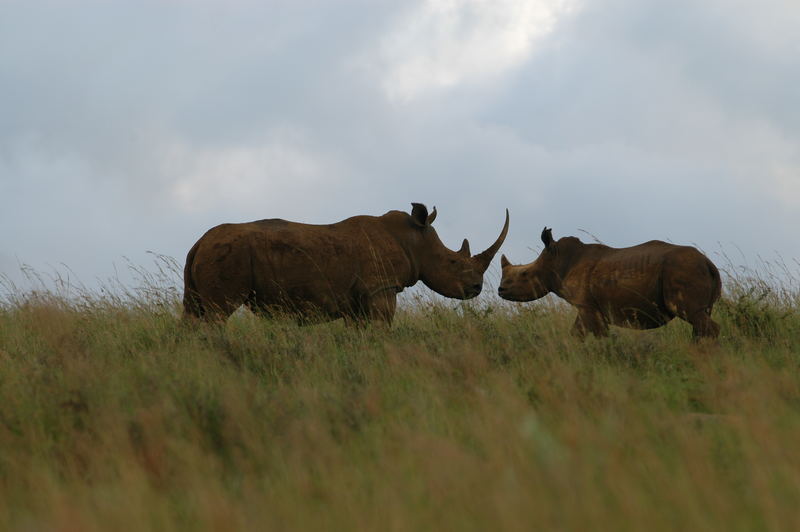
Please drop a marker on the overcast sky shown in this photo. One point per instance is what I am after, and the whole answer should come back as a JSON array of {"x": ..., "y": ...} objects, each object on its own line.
[{"x": 128, "y": 127}]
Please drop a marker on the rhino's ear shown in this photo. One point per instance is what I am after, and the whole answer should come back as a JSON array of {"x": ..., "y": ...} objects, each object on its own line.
[
  {"x": 504, "y": 261},
  {"x": 465, "y": 249},
  {"x": 419, "y": 214},
  {"x": 547, "y": 237},
  {"x": 431, "y": 217}
]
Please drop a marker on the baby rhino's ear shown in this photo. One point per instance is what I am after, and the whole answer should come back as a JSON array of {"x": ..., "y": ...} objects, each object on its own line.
[{"x": 547, "y": 236}]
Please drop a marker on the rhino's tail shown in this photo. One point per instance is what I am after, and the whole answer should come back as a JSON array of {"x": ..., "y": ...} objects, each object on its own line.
[
  {"x": 192, "y": 304},
  {"x": 716, "y": 283}
]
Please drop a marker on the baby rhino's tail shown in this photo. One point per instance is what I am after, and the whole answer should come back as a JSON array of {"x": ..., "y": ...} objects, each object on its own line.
[
  {"x": 716, "y": 284},
  {"x": 192, "y": 304}
]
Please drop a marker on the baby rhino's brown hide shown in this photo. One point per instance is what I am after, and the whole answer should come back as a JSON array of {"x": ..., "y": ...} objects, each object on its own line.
[
  {"x": 641, "y": 287},
  {"x": 352, "y": 269}
]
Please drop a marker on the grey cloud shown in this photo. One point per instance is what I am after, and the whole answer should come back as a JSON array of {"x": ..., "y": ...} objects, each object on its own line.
[
  {"x": 633, "y": 120},
  {"x": 661, "y": 120}
]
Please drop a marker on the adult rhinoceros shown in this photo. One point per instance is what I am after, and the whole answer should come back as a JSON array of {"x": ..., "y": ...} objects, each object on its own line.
[
  {"x": 352, "y": 269},
  {"x": 641, "y": 287}
]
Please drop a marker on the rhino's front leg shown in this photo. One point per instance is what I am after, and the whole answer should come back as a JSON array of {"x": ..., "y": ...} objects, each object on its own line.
[
  {"x": 589, "y": 320},
  {"x": 381, "y": 307},
  {"x": 376, "y": 308}
]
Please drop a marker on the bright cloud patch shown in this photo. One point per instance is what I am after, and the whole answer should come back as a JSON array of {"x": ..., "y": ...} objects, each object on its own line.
[
  {"x": 246, "y": 177},
  {"x": 787, "y": 190},
  {"x": 446, "y": 42}
]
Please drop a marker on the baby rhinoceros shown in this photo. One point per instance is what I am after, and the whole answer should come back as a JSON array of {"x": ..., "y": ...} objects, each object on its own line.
[{"x": 641, "y": 287}]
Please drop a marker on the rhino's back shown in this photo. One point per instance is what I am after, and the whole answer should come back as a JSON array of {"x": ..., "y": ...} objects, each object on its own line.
[
  {"x": 294, "y": 264},
  {"x": 285, "y": 252},
  {"x": 277, "y": 236},
  {"x": 628, "y": 283},
  {"x": 637, "y": 261}
]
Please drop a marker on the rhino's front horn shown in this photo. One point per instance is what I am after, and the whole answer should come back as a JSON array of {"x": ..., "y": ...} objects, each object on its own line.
[{"x": 484, "y": 258}]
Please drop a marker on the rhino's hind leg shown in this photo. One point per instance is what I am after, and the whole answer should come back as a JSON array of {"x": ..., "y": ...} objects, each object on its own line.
[
  {"x": 703, "y": 326},
  {"x": 192, "y": 305},
  {"x": 589, "y": 321},
  {"x": 690, "y": 293},
  {"x": 218, "y": 307},
  {"x": 697, "y": 315},
  {"x": 203, "y": 307}
]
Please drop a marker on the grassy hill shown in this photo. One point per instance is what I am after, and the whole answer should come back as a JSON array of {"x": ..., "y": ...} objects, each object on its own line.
[{"x": 116, "y": 415}]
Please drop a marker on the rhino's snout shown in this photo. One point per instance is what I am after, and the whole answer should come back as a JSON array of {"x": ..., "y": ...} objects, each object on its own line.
[
  {"x": 474, "y": 290},
  {"x": 471, "y": 290},
  {"x": 504, "y": 290},
  {"x": 509, "y": 290}
]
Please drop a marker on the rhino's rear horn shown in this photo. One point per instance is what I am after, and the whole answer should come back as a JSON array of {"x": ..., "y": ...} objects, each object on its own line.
[
  {"x": 484, "y": 258},
  {"x": 464, "y": 248}
]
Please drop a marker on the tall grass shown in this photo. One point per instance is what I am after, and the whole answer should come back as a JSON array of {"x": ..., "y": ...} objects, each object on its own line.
[{"x": 117, "y": 415}]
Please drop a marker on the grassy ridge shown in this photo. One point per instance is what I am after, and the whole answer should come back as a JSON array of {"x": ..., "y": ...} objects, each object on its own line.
[{"x": 116, "y": 415}]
